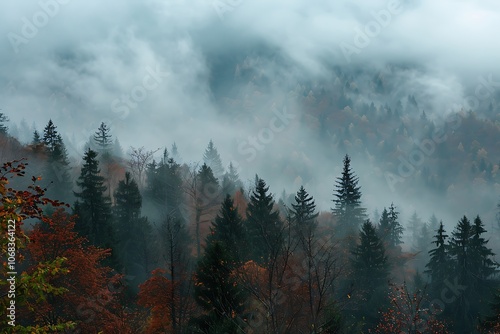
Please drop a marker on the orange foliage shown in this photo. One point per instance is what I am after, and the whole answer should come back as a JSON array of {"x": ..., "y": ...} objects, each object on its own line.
[
  {"x": 91, "y": 297},
  {"x": 154, "y": 294}
]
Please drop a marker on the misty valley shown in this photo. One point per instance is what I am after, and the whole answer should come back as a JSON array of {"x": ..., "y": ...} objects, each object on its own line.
[{"x": 255, "y": 167}]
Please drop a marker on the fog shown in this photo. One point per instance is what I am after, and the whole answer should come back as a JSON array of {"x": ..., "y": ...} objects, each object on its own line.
[{"x": 160, "y": 72}]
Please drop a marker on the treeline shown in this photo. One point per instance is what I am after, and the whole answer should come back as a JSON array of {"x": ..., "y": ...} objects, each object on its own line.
[{"x": 149, "y": 246}]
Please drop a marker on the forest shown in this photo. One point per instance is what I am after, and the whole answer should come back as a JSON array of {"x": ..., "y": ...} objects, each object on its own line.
[{"x": 133, "y": 243}]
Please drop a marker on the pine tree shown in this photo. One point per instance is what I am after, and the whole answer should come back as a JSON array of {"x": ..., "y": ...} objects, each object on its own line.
[
  {"x": 102, "y": 138},
  {"x": 164, "y": 188},
  {"x": 370, "y": 262},
  {"x": 439, "y": 265},
  {"x": 264, "y": 226},
  {"x": 227, "y": 228},
  {"x": 303, "y": 217},
  {"x": 57, "y": 168},
  {"x": 36, "y": 138},
  {"x": 218, "y": 292},
  {"x": 414, "y": 226},
  {"x": 3, "y": 128},
  {"x": 211, "y": 157},
  {"x": 481, "y": 262},
  {"x": 92, "y": 206},
  {"x": 231, "y": 181},
  {"x": 348, "y": 210},
  {"x": 175, "y": 153},
  {"x": 390, "y": 229},
  {"x": 133, "y": 232},
  {"x": 370, "y": 273}
]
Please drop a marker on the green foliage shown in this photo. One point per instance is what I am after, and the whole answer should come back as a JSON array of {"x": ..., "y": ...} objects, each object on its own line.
[
  {"x": 264, "y": 226},
  {"x": 212, "y": 159},
  {"x": 227, "y": 228},
  {"x": 218, "y": 292},
  {"x": 93, "y": 207},
  {"x": 348, "y": 210}
]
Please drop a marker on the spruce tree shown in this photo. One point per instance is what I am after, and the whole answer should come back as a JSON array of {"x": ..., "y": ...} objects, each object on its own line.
[
  {"x": 439, "y": 265},
  {"x": 36, "y": 138},
  {"x": 218, "y": 292},
  {"x": 263, "y": 225},
  {"x": 102, "y": 138},
  {"x": 231, "y": 181},
  {"x": 93, "y": 207},
  {"x": 371, "y": 268},
  {"x": 370, "y": 274},
  {"x": 303, "y": 218},
  {"x": 414, "y": 226},
  {"x": 3, "y": 127},
  {"x": 348, "y": 210},
  {"x": 227, "y": 228},
  {"x": 133, "y": 232},
  {"x": 56, "y": 170},
  {"x": 212, "y": 158},
  {"x": 389, "y": 228}
]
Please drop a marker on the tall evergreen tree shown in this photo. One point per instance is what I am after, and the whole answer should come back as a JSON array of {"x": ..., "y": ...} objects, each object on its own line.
[
  {"x": 390, "y": 229},
  {"x": 57, "y": 168},
  {"x": 473, "y": 269},
  {"x": 227, "y": 228},
  {"x": 231, "y": 181},
  {"x": 439, "y": 265},
  {"x": 164, "y": 188},
  {"x": 263, "y": 225},
  {"x": 303, "y": 217},
  {"x": 370, "y": 273},
  {"x": 414, "y": 227},
  {"x": 348, "y": 210},
  {"x": 36, "y": 138},
  {"x": 3, "y": 127},
  {"x": 133, "y": 232},
  {"x": 93, "y": 207},
  {"x": 212, "y": 158},
  {"x": 102, "y": 138},
  {"x": 218, "y": 292}
]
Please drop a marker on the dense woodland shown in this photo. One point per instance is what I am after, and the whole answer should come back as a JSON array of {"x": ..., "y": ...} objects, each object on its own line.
[{"x": 126, "y": 243}]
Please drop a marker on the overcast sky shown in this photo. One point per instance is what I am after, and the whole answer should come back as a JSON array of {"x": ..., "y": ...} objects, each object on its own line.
[{"x": 76, "y": 61}]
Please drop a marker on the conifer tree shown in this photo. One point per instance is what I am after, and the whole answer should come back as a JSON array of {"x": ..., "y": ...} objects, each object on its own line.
[
  {"x": 390, "y": 229},
  {"x": 264, "y": 226},
  {"x": 439, "y": 265},
  {"x": 348, "y": 210},
  {"x": 212, "y": 158},
  {"x": 57, "y": 168},
  {"x": 370, "y": 261},
  {"x": 414, "y": 227},
  {"x": 370, "y": 273},
  {"x": 227, "y": 228},
  {"x": 303, "y": 217},
  {"x": 102, "y": 138},
  {"x": 36, "y": 138},
  {"x": 218, "y": 292},
  {"x": 231, "y": 181},
  {"x": 133, "y": 232},
  {"x": 3, "y": 128},
  {"x": 93, "y": 207}
]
